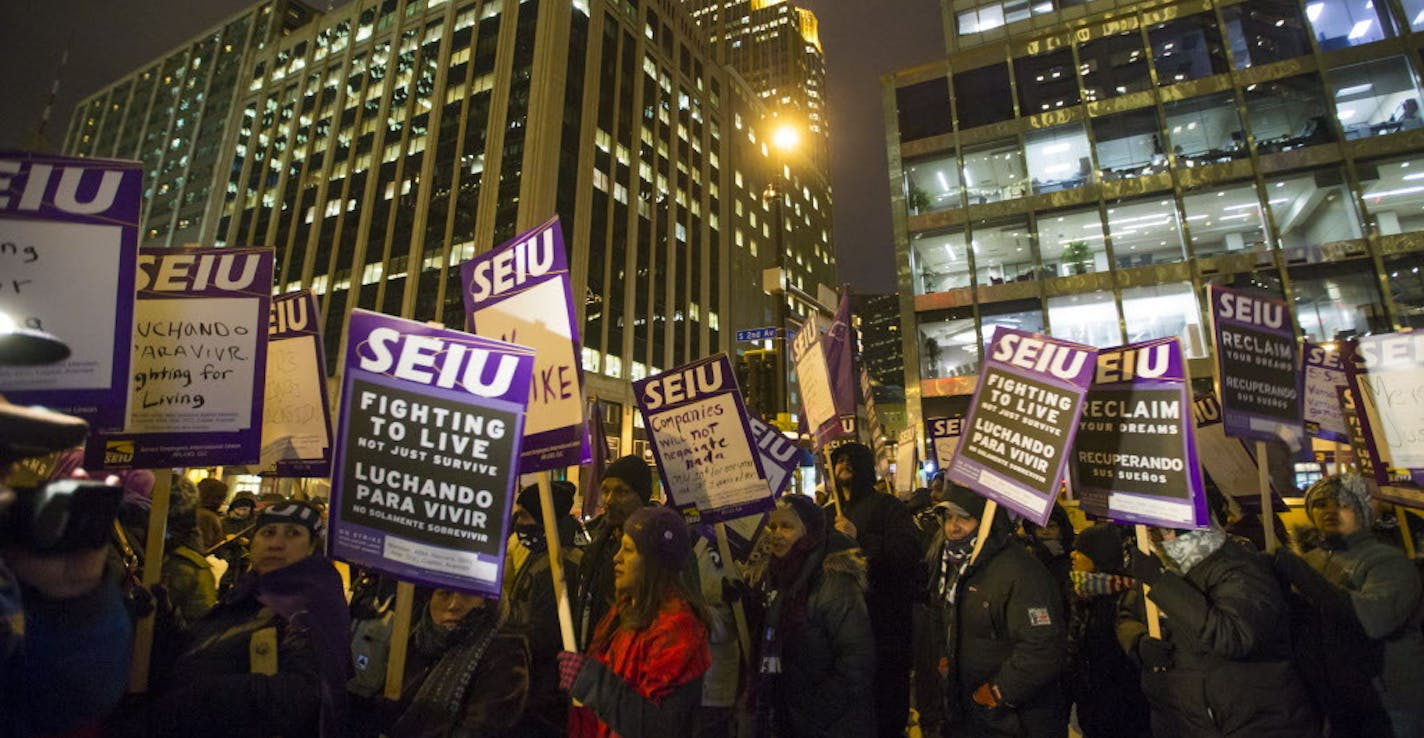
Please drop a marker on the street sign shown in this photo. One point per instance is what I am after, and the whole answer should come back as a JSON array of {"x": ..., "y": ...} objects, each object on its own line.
[{"x": 756, "y": 334}]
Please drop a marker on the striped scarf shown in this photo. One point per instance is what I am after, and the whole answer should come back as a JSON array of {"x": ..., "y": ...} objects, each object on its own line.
[{"x": 1087, "y": 584}]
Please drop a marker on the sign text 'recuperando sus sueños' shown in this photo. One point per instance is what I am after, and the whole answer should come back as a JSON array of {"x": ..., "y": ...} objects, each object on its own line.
[
  {"x": 703, "y": 443},
  {"x": 1022, "y": 419},
  {"x": 520, "y": 292},
  {"x": 68, "y": 256},
  {"x": 427, "y": 451},
  {"x": 198, "y": 361}
]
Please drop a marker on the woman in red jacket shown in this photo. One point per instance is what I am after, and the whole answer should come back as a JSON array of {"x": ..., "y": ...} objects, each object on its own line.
[{"x": 642, "y": 675}]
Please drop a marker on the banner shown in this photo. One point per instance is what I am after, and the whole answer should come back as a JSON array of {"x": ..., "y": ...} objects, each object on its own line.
[
  {"x": 1387, "y": 377},
  {"x": 427, "y": 450},
  {"x": 702, "y": 441},
  {"x": 520, "y": 293},
  {"x": 1022, "y": 419},
  {"x": 1135, "y": 456},
  {"x": 1257, "y": 376},
  {"x": 943, "y": 435},
  {"x": 1322, "y": 373},
  {"x": 779, "y": 455},
  {"x": 68, "y": 254},
  {"x": 296, "y": 419},
  {"x": 199, "y": 361}
]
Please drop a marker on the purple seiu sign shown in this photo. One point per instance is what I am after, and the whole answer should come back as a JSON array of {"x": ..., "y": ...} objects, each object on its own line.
[
  {"x": 427, "y": 451},
  {"x": 1229, "y": 462},
  {"x": 1322, "y": 374},
  {"x": 296, "y": 417},
  {"x": 520, "y": 293},
  {"x": 1257, "y": 373},
  {"x": 1135, "y": 456},
  {"x": 943, "y": 435},
  {"x": 68, "y": 255},
  {"x": 779, "y": 455},
  {"x": 706, "y": 455},
  {"x": 198, "y": 362},
  {"x": 1386, "y": 376},
  {"x": 1022, "y": 419}
]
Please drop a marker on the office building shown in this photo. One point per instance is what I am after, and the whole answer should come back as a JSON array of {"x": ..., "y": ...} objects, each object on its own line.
[{"x": 880, "y": 350}]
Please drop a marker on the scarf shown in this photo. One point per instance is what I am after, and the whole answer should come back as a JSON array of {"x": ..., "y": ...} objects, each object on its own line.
[
  {"x": 1188, "y": 549},
  {"x": 787, "y": 587},
  {"x": 532, "y": 537},
  {"x": 442, "y": 691},
  {"x": 954, "y": 558},
  {"x": 1089, "y": 584}
]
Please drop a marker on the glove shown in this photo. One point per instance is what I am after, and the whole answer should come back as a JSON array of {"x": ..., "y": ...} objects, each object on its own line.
[
  {"x": 570, "y": 664},
  {"x": 1155, "y": 653},
  {"x": 1146, "y": 567},
  {"x": 987, "y": 695}
]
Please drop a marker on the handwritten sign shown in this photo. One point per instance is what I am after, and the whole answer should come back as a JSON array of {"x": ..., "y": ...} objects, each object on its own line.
[
  {"x": 1022, "y": 419},
  {"x": 68, "y": 250},
  {"x": 1322, "y": 374},
  {"x": 702, "y": 441},
  {"x": 296, "y": 420},
  {"x": 520, "y": 293},
  {"x": 427, "y": 449},
  {"x": 198, "y": 363},
  {"x": 1258, "y": 379},
  {"x": 944, "y": 436},
  {"x": 1134, "y": 458},
  {"x": 813, "y": 377},
  {"x": 1386, "y": 373}
]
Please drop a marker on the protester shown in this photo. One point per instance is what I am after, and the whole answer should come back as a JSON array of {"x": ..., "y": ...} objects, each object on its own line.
[
  {"x": 627, "y": 485},
  {"x": 532, "y": 608},
  {"x": 1364, "y": 659},
  {"x": 1051, "y": 543},
  {"x": 817, "y": 654},
  {"x": 642, "y": 674},
  {"x": 240, "y": 513},
  {"x": 1222, "y": 666},
  {"x": 1101, "y": 680},
  {"x": 721, "y": 682},
  {"x": 463, "y": 676},
  {"x": 187, "y": 575},
  {"x": 212, "y": 493},
  {"x": 272, "y": 657},
  {"x": 1004, "y": 628},
  {"x": 883, "y": 528}
]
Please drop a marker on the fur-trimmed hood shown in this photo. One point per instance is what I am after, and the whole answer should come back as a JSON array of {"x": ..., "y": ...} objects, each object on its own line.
[{"x": 846, "y": 558}]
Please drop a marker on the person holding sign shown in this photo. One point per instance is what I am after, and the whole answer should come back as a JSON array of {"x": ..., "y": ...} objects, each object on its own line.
[
  {"x": 272, "y": 658},
  {"x": 817, "y": 653},
  {"x": 642, "y": 675},
  {"x": 1365, "y": 653},
  {"x": 1002, "y": 617},
  {"x": 627, "y": 486},
  {"x": 1222, "y": 666},
  {"x": 1101, "y": 680}
]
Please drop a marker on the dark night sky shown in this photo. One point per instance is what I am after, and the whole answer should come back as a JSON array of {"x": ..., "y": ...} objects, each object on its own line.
[{"x": 862, "y": 40}]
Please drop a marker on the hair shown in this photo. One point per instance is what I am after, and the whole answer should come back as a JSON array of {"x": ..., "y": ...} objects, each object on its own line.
[{"x": 658, "y": 584}]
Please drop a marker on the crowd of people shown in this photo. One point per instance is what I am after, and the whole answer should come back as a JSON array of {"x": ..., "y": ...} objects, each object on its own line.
[{"x": 863, "y": 616}]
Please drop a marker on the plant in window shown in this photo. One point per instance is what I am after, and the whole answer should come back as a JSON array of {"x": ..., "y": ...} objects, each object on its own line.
[
  {"x": 1077, "y": 256},
  {"x": 918, "y": 200}
]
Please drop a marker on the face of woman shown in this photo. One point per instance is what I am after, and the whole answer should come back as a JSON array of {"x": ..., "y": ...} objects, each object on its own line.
[
  {"x": 280, "y": 544},
  {"x": 783, "y": 529},
  {"x": 448, "y": 608},
  {"x": 627, "y": 567}
]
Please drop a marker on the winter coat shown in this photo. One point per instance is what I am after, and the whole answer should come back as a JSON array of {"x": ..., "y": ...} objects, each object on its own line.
[
  {"x": 1380, "y": 600},
  {"x": 645, "y": 683},
  {"x": 190, "y": 582},
  {"x": 1006, "y": 628},
  {"x": 210, "y": 528},
  {"x": 493, "y": 699},
  {"x": 533, "y": 610},
  {"x": 1101, "y": 680},
  {"x": 828, "y": 660},
  {"x": 1232, "y": 673},
  {"x": 593, "y": 597}
]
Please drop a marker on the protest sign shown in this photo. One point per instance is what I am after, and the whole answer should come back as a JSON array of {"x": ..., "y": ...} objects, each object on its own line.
[
  {"x": 1322, "y": 373},
  {"x": 839, "y": 347},
  {"x": 296, "y": 420},
  {"x": 702, "y": 441},
  {"x": 520, "y": 293},
  {"x": 68, "y": 254},
  {"x": 1386, "y": 374},
  {"x": 1228, "y": 462},
  {"x": 199, "y": 361},
  {"x": 906, "y": 455},
  {"x": 1134, "y": 458},
  {"x": 814, "y": 379},
  {"x": 1257, "y": 376},
  {"x": 427, "y": 449},
  {"x": 1366, "y": 458},
  {"x": 1022, "y": 419},
  {"x": 779, "y": 455},
  {"x": 943, "y": 434}
]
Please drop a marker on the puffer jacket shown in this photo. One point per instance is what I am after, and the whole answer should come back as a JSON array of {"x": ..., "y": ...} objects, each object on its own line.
[{"x": 1230, "y": 630}]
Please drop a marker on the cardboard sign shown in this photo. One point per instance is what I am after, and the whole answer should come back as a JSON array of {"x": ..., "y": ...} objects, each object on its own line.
[
  {"x": 520, "y": 293},
  {"x": 1387, "y": 377},
  {"x": 427, "y": 450},
  {"x": 199, "y": 361},
  {"x": 296, "y": 419},
  {"x": 1134, "y": 458},
  {"x": 814, "y": 379},
  {"x": 702, "y": 441},
  {"x": 906, "y": 468},
  {"x": 68, "y": 254},
  {"x": 944, "y": 434},
  {"x": 1322, "y": 374},
  {"x": 1257, "y": 375},
  {"x": 779, "y": 455},
  {"x": 1022, "y": 419}
]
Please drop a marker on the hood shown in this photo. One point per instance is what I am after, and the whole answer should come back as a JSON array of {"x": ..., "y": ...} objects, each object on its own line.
[
  {"x": 862, "y": 463},
  {"x": 845, "y": 557}
]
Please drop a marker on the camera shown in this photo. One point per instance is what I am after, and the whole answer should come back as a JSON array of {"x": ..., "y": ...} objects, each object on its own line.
[{"x": 50, "y": 517}]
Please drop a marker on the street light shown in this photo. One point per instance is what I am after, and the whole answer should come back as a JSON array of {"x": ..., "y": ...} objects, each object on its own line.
[{"x": 784, "y": 139}]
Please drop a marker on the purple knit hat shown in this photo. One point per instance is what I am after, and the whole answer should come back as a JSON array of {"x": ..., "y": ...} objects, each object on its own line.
[{"x": 660, "y": 534}]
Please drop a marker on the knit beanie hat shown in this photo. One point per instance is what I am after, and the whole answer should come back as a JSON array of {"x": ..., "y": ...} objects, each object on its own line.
[
  {"x": 812, "y": 516},
  {"x": 1102, "y": 543},
  {"x": 963, "y": 501},
  {"x": 635, "y": 473},
  {"x": 296, "y": 513},
  {"x": 242, "y": 499},
  {"x": 563, "y": 494},
  {"x": 660, "y": 534},
  {"x": 212, "y": 492},
  {"x": 1350, "y": 490}
]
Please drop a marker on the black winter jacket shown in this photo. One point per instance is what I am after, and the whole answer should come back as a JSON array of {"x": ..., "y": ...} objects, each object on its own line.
[{"x": 1232, "y": 673}]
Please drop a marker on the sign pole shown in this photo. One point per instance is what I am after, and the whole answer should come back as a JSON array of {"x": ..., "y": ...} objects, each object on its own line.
[
  {"x": 152, "y": 571},
  {"x": 1154, "y": 616},
  {"x": 986, "y": 522},
  {"x": 556, "y": 562},
  {"x": 400, "y": 639},
  {"x": 1268, "y": 513},
  {"x": 729, "y": 567},
  {"x": 833, "y": 485}
]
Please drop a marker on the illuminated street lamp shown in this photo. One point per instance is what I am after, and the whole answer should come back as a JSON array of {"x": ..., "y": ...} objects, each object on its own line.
[{"x": 785, "y": 138}]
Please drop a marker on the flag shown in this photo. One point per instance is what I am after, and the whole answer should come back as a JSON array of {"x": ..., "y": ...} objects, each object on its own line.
[
  {"x": 839, "y": 346},
  {"x": 594, "y": 474}
]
